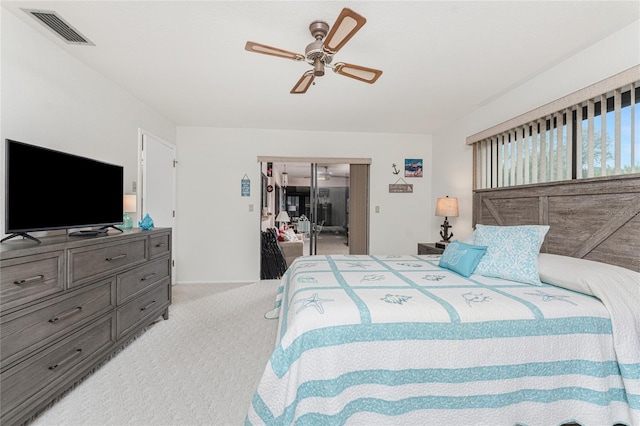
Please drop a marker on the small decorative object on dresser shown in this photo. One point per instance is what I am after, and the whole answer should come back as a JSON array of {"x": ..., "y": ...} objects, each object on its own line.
[
  {"x": 129, "y": 206},
  {"x": 429, "y": 248},
  {"x": 68, "y": 304},
  {"x": 146, "y": 223}
]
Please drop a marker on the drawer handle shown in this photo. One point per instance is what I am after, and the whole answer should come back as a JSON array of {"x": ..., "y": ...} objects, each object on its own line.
[
  {"x": 148, "y": 277},
  {"x": 29, "y": 280},
  {"x": 159, "y": 245},
  {"x": 120, "y": 256},
  {"x": 148, "y": 306},
  {"x": 66, "y": 314},
  {"x": 67, "y": 359}
]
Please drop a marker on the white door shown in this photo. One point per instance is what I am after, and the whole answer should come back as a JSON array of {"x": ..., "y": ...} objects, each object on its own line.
[{"x": 158, "y": 159}]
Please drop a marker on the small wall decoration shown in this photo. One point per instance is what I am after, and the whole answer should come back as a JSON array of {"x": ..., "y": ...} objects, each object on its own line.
[
  {"x": 401, "y": 188},
  {"x": 269, "y": 188},
  {"x": 245, "y": 186},
  {"x": 413, "y": 167},
  {"x": 396, "y": 171},
  {"x": 269, "y": 169}
]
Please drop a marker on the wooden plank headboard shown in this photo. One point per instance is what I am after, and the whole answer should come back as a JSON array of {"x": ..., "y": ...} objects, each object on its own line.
[{"x": 596, "y": 219}]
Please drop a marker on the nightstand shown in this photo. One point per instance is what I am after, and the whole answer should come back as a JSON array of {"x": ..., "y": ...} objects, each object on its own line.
[{"x": 429, "y": 248}]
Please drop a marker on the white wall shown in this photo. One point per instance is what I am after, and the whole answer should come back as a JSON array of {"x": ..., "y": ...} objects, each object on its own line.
[
  {"x": 219, "y": 237},
  {"x": 50, "y": 99},
  {"x": 454, "y": 177}
]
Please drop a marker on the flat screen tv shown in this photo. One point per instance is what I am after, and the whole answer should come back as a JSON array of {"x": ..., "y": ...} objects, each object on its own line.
[{"x": 47, "y": 189}]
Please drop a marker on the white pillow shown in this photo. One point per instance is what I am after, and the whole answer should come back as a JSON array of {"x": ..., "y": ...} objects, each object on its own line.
[
  {"x": 582, "y": 275},
  {"x": 290, "y": 235}
]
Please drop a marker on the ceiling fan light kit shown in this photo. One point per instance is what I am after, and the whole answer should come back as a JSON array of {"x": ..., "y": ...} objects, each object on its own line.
[{"x": 319, "y": 53}]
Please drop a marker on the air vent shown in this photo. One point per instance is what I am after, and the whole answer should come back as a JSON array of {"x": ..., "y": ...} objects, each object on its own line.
[{"x": 59, "y": 26}]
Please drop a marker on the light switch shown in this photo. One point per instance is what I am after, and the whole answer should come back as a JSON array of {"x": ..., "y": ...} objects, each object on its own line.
[
  {"x": 377, "y": 209},
  {"x": 250, "y": 207}
]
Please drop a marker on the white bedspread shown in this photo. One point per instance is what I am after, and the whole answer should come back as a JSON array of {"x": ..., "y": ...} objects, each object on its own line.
[{"x": 397, "y": 340}]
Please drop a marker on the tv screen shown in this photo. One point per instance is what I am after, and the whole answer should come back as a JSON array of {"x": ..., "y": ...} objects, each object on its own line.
[{"x": 47, "y": 189}]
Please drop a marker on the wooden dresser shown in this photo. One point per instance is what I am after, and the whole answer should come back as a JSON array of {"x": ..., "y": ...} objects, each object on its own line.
[{"x": 67, "y": 304}]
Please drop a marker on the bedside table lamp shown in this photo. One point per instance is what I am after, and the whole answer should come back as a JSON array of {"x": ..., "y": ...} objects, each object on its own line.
[
  {"x": 283, "y": 217},
  {"x": 129, "y": 206},
  {"x": 446, "y": 207}
]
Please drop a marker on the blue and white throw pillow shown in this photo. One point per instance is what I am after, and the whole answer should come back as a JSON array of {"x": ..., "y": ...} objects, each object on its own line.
[
  {"x": 512, "y": 251},
  {"x": 461, "y": 258}
]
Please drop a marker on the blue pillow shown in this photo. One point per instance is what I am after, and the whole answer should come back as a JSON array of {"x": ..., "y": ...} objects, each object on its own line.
[
  {"x": 512, "y": 252},
  {"x": 461, "y": 258}
]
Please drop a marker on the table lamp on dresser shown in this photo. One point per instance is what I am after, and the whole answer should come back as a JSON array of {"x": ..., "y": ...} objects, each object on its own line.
[{"x": 129, "y": 206}]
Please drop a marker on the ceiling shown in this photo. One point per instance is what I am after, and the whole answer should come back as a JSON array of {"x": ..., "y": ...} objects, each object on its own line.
[{"x": 441, "y": 59}]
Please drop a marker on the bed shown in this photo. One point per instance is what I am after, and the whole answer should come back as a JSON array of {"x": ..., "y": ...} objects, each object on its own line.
[{"x": 413, "y": 340}]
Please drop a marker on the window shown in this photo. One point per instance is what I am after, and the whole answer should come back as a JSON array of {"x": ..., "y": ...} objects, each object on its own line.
[{"x": 598, "y": 136}]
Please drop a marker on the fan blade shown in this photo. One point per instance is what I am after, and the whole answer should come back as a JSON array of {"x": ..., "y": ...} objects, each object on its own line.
[
  {"x": 346, "y": 26},
  {"x": 273, "y": 51},
  {"x": 368, "y": 75},
  {"x": 303, "y": 84}
]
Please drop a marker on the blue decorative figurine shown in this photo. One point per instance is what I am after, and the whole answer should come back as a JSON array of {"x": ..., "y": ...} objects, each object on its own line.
[{"x": 146, "y": 223}]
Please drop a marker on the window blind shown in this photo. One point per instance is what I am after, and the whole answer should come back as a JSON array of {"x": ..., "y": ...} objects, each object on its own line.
[{"x": 590, "y": 133}]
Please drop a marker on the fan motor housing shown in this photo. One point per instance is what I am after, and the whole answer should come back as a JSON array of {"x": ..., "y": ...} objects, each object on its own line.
[
  {"x": 314, "y": 53},
  {"x": 319, "y": 29}
]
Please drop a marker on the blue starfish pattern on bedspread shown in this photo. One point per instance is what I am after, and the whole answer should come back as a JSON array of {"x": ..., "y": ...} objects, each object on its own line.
[{"x": 313, "y": 301}]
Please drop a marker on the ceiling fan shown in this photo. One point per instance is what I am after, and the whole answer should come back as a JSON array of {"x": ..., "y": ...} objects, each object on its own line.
[
  {"x": 326, "y": 175},
  {"x": 320, "y": 52}
]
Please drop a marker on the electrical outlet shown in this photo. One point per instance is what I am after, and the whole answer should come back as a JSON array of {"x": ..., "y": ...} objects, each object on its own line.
[
  {"x": 377, "y": 209},
  {"x": 134, "y": 186},
  {"x": 250, "y": 207}
]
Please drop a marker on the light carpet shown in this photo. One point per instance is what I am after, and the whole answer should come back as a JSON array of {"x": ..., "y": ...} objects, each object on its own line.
[{"x": 200, "y": 367}]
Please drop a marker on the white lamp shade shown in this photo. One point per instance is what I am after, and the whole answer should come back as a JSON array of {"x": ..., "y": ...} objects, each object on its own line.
[
  {"x": 129, "y": 203},
  {"x": 447, "y": 207},
  {"x": 283, "y": 216}
]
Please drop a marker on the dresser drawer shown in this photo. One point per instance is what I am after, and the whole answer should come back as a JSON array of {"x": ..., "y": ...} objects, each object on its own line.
[
  {"x": 38, "y": 374},
  {"x": 132, "y": 283},
  {"x": 93, "y": 261},
  {"x": 142, "y": 308},
  {"x": 38, "y": 325},
  {"x": 24, "y": 279},
  {"x": 159, "y": 245}
]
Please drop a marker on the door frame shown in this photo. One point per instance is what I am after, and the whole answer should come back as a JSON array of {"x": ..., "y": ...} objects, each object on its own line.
[
  {"x": 335, "y": 160},
  {"x": 140, "y": 190}
]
